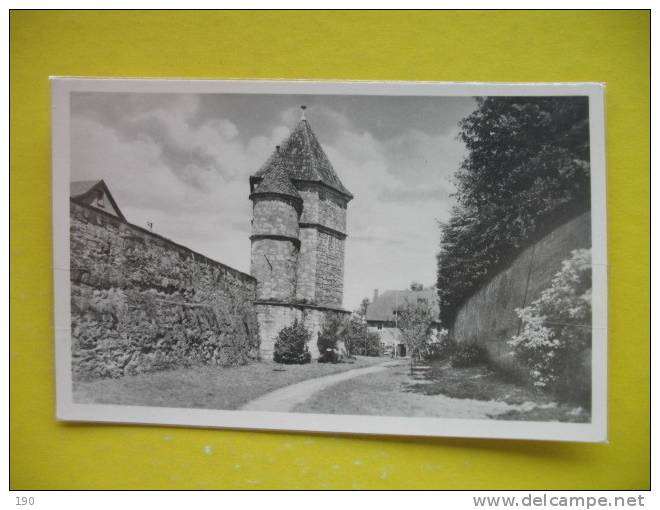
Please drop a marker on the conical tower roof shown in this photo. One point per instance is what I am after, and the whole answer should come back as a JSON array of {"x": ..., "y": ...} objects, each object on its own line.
[
  {"x": 276, "y": 180},
  {"x": 304, "y": 160}
]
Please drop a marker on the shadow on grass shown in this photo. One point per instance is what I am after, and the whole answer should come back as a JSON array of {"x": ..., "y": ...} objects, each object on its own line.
[{"x": 483, "y": 383}]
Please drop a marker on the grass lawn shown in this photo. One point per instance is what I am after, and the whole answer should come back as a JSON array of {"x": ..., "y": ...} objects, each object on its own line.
[
  {"x": 482, "y": 383},
  {"x": 438, "y": 390},
  {"x": 206, "y": 387}
]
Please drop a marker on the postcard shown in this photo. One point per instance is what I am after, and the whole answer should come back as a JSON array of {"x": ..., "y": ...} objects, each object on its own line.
[{"x": 390, "y": 258}]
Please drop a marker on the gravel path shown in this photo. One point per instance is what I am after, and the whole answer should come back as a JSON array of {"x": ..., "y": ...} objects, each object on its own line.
[{"x": 285, "y": 399}]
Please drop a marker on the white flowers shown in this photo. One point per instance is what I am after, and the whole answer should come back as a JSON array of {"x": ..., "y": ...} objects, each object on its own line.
[{"x": 556, "y": 326}]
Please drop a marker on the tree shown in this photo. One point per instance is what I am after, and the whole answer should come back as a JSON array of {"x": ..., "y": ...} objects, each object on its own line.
[
  {"x": 359, "y": 340},
  {"x": 416, "y": 286},
  {"x": 372, "y": 346},
  {"x": 526, "y": 169},
  {"x": 415, "y": 321},
  {"x": 355, "y": 334},
  {"x": 362, "y": 309}
]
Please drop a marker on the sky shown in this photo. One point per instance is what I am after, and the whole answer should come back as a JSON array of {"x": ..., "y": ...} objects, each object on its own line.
[{"x": 182, "y": 162}]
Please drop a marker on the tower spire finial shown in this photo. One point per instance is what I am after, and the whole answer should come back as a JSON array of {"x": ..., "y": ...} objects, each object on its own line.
[{"x": 302, "y": 114}]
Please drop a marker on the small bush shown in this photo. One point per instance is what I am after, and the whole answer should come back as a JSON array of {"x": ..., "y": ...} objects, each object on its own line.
[
  {"x": 291, "y": 345},
  {"x": 333, "y": 331},
  {"x": 468, "y": 355},
  {"x": 328, "y": 356},
  {"x": 441, "y": 346},
  {"x": 441, "y": 350}
]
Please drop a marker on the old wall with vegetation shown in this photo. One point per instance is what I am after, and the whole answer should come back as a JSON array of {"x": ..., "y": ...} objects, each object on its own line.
[
  {"x": 488, "y": 317},
  {"x": 140, "y": 302},
  {"x": 526, "y": 170}
]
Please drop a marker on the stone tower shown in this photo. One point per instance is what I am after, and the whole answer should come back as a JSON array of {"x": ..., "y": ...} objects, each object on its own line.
[{"x": 298, "y": 236}]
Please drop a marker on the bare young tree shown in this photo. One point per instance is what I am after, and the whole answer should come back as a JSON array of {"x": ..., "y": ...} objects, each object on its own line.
[
  {"x": 362, "y": 309},
  {"x": 415, "y": 321}
]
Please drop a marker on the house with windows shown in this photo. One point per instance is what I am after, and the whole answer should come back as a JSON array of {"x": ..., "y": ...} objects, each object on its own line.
[{"x": 382, "y": 315}]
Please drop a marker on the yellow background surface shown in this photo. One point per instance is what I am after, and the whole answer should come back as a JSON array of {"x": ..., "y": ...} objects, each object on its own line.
[{"x": 611, "y": 47}]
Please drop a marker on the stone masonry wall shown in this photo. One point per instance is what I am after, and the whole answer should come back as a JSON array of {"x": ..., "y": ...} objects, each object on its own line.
[
  {"x": 272, "y": 318},
  {"x": 140, "y": 302},
  {"x": 488, "y": 317},
  {"x": 274, "y": 266},
  {"x": 274, "y": 217},
  {"x": 323, "y": 206},
  {"x": 330, "y": 269},
  {"x": 319, "y": 277},
  {"x": 332, "y": 212},
  {"x": 306, "y": 273}
]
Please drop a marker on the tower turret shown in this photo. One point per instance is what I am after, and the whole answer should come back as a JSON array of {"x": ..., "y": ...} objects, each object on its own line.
[
  {"x": 298, "y": 236},
  {"x": 275, "y": 234},
  {"x": 322, "y": 226}
]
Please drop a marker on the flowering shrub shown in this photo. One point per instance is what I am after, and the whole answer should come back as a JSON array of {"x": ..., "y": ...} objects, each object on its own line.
[{"x": 556, "y": 336}]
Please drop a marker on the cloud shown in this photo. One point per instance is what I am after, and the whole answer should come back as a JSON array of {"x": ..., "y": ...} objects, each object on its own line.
[
  {"x": 414, "y": 195},
  {"x": 193, "y": 151},
  {"x": 402, "y": 186}
]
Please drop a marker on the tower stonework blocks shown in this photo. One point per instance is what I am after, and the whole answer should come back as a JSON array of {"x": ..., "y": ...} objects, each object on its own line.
[{"x": 298, "y": 236}]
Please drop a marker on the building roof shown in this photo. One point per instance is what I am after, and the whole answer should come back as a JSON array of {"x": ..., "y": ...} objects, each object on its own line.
[
  {"x": 81, "y": 191},
  {"x": 383, "y": 307},
  {"x": 276, "y": 180},
  {"x": 80, "y": 188},
  {"x": 304, "y": 159}
]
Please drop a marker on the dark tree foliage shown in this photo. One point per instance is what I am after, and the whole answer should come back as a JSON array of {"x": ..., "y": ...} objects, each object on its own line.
[{"x": 526, "y": 170}]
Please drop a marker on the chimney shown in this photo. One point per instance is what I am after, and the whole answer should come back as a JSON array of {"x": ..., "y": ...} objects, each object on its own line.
[
  {"x": 302, "y": 115},
  {"x": 277, "y": 148},
  {"x": 375, "y": 295}
]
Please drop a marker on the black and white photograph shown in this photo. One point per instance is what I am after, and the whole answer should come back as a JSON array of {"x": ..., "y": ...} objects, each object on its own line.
[{"x": 399, "y": 258}]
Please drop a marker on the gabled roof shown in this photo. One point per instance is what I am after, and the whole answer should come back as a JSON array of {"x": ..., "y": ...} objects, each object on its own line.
[
  {"x": 276, "y": 180},
  {"x": 82, "y": 191},
  {"x": 304, "y": 159},
  {"x": 383, "y": 307},
  {"x": 80, "y": 188}
]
